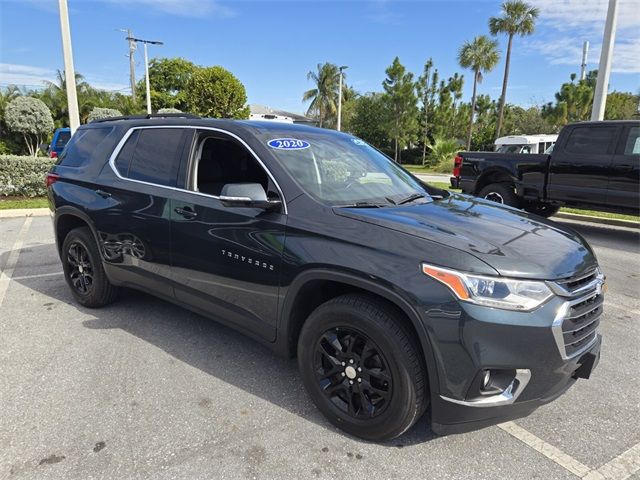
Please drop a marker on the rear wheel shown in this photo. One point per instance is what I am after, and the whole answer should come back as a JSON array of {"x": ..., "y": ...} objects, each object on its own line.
[
  {"x": 500, "y": 193},
  {"x": 361, "y": 369},
  {"x": 83, "y": 269}
]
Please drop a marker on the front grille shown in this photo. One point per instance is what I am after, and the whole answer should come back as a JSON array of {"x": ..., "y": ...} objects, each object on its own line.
[{"x": 576, "y": 326}]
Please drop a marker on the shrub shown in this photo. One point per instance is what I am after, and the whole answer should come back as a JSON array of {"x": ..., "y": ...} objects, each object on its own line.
[
  {"x": 169, "y": 110},
  {"x": 98, "y": 113},
  {"x": 30, "y": 117},
  {"x": 23, "y": 176}
]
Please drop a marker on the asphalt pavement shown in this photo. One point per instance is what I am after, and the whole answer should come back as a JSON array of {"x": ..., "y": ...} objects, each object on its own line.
[{"x": 144, "y": 389}]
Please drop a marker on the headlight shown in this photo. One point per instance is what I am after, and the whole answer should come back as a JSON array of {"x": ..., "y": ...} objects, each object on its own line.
[{"x": 498, "y": 292}]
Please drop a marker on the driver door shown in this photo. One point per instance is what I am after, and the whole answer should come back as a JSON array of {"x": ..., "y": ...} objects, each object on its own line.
[{"x": 226, "y": 260}]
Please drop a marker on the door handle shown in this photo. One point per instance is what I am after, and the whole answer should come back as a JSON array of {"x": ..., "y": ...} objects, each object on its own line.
[
  {"x": 186, "y": 212},
  {"x": 103, "y": 194}
]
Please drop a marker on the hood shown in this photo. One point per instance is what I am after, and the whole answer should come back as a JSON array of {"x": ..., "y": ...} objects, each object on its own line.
[{"x": 513, "y": 242}]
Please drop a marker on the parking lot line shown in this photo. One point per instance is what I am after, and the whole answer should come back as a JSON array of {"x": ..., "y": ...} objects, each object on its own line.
[
  {"x": 39, "y": 275},
  {"x": 5, "y": 275},
  {"x": 620, "y": 468},
  {"x": 548, "y": 450}
]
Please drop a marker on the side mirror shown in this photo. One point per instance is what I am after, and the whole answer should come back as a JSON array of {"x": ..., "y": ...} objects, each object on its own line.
[{"x": 248, "y": 195}]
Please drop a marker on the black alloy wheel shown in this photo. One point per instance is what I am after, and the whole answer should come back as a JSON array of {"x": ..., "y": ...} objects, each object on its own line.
[
  {"x": 80, "y": 269},
  {"x": 353, "y": 373}
]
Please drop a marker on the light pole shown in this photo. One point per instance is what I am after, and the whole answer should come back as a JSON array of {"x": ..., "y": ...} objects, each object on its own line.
[
  {"x": 342, "y": 69},
  {"x": 604, "y": 69},
  {"x": 146, "y": 65},
  {"x": 69, "y": 72}
]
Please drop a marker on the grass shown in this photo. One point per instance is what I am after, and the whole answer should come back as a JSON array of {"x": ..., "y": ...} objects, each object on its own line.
[
  {"x": 7, "y": 203},
  {"x": 419, "y": 169},
  {"x": 591, "y": 213}
]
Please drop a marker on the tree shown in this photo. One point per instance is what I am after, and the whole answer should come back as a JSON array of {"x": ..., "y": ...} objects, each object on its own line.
[
  {"x": 215, "y": 92},
  {"x": 622, "y": 106},
  {"x": 573, "y": 101},
  {"x": 401, "y": 100},
  {"x": 518, "y": 18},
  {"x": 324, "y": 96},
  {"x": 169, "y": 110},
  {"x": 369, "y": 120},
  {"x": 479, "y": 55},
  {"x": 98, "y": 113},
  {"x": 168, "y": 78},
  {"x": 31, "y": 118},
  {"x": 426, "y": 92}
]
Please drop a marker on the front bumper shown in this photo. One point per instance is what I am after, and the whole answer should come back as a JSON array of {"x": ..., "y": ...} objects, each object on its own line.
[{"x": 545, "y": 351}]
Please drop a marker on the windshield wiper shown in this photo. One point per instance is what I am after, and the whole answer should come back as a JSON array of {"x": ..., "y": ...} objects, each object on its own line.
[
  {"x": 363, "y": 205},
  {"x": 410, "y": 198}
]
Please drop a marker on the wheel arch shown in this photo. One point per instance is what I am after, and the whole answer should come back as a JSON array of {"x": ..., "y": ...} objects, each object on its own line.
[
  {"x": 314, "y": 287},
  {"x": 66, "y": 219},
  {"x": 494, "y": 175}
]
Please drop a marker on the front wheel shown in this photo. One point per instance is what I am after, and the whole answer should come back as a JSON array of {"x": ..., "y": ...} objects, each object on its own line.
[
  {"x": 500, "y": 193},
  {"x": 542, "y": 209},
  {"x": 361, "y": 368}
]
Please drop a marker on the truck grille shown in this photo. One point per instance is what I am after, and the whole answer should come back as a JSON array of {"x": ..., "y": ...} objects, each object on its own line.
[{"x": 575, "y": 328}]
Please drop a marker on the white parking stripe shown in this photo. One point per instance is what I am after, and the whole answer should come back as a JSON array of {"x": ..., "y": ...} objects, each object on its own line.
[
  {"x": 549, "y": 451},
  {"x": 621, "y": 467},
  {"x": 5, "y": 275},
  {"x": 39, "y": 275}
]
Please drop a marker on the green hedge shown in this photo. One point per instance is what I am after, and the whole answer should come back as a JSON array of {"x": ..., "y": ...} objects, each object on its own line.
[{"x": 23, "y": 176}]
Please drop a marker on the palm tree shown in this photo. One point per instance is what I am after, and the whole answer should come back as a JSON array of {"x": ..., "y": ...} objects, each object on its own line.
[
  {"x": 479, "y": 55},
  {"x": 324, "y": 96},
  {"x": 518, "y": 18}
]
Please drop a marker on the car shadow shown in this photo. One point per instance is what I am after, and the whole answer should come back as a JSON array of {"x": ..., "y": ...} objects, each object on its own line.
[{"x": 204, "y": 344}]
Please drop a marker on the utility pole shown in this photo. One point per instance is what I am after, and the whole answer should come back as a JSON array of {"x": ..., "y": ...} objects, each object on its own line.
[
  {"x": 342, "y": 69},
  {"x": 583, "y": 65},
  {"x": 604, "y": 69},
  {"x": 132, "y": 62},
  {"x": 146, "y": 65},
  {"x": 69, "y": 72}
]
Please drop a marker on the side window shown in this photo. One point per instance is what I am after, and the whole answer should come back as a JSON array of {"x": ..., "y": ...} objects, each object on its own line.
[
  {"x": 632, "y": 145},
  {"x": 151, "y": 155},
  {"x": 221, "y": 160},
  {"x": 82, "y": 145},
  {"x": 590, "y": 140}
]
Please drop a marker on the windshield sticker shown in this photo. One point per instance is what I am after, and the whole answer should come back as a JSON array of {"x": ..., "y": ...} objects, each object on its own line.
[
  {"x": 288, "y": 144},
  {"x": 357, "y": 141}
]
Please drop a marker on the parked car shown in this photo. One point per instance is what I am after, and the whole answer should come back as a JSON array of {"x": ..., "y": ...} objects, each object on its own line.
[
  {"x": 525, "y": 143},
  {"x": 593, "y": 165},
  {"x": 396, "y": 297},
  {"x": 60, "y": 139}
]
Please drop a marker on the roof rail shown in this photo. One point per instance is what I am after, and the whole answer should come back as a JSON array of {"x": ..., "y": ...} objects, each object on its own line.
[{"x": 147, "y": 117}]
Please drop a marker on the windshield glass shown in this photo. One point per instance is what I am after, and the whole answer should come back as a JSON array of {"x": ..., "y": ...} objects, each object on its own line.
[{"x": 341, "y": 170}]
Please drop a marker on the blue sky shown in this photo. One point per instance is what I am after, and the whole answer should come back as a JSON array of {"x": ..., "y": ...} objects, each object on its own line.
[{"x": 270, "y": 46}]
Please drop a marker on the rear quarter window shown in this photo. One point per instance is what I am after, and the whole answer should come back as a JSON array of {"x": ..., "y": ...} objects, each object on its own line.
[
  {"x": 590, "y": 140},
  {"x": 82, "y": 146}
]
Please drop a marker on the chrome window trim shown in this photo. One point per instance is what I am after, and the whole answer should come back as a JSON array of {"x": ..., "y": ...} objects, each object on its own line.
[
  {"x": 128, "y": 133},
  {"x": 507, "y": 397}
]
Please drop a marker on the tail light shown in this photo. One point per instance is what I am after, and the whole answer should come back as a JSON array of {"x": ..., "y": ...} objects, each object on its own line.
[
  {"x": 53, "y": 154},
  {"x": 457, "y": 165},
  {"x": 50, "y": 179}
]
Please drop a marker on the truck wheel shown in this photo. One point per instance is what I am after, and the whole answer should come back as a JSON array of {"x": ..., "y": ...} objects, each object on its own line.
[
  {"x": 361, "y": 368},
  {"x": 542, "y": 209},
  {"x": 500, "y": 193},
  {"x": 83, "y": 269}
]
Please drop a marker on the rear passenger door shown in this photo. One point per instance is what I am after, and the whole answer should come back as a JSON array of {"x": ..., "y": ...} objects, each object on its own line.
[
  {"x": 226, "y": 260},
  {"x": 580, "y": 168},
  {"x": 134, "y": 225},
  {"x": 624, "y": 180}
]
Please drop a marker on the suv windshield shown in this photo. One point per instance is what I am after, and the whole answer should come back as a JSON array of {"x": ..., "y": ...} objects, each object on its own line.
[{"x": 341, "y": 170}]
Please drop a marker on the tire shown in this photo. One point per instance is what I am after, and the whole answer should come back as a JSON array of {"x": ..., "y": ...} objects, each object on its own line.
[
  {"x": 83, "y": 270},
  {"x": 388, "y": 389},
  {"x": 542, "y": 209},
  {"x": 500, "y": 193}
]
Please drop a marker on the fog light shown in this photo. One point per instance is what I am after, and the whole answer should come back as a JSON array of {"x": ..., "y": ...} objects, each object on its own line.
[{"x": 486, "y": 378}]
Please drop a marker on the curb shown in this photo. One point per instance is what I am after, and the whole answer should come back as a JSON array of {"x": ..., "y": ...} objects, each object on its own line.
[
  {"x": 601, "y": 220},
  {"x": 24, "y": 212}
]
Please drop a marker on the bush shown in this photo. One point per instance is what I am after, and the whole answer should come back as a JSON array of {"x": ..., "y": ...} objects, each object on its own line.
[
  {"x": 169, "y": 110},
  {"x": 99, "y": 113},
  {"x": 23, "y": 176}
]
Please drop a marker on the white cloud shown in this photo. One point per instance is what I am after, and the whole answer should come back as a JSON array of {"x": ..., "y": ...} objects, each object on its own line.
[
  {"x": 183, "y": 8},
  {"x": 566, "y": 24},
  {"x": 27, "y": 75}
]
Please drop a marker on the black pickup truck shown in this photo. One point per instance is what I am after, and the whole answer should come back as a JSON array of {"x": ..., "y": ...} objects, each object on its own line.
[{"x": 593, "y": 165}]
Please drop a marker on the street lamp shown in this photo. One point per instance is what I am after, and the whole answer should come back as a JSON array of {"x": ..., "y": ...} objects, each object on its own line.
[
  {"x": 146, "y": 65},
  {"x": 604, "y": 69},
  {"x": 342, "y": 69}
]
